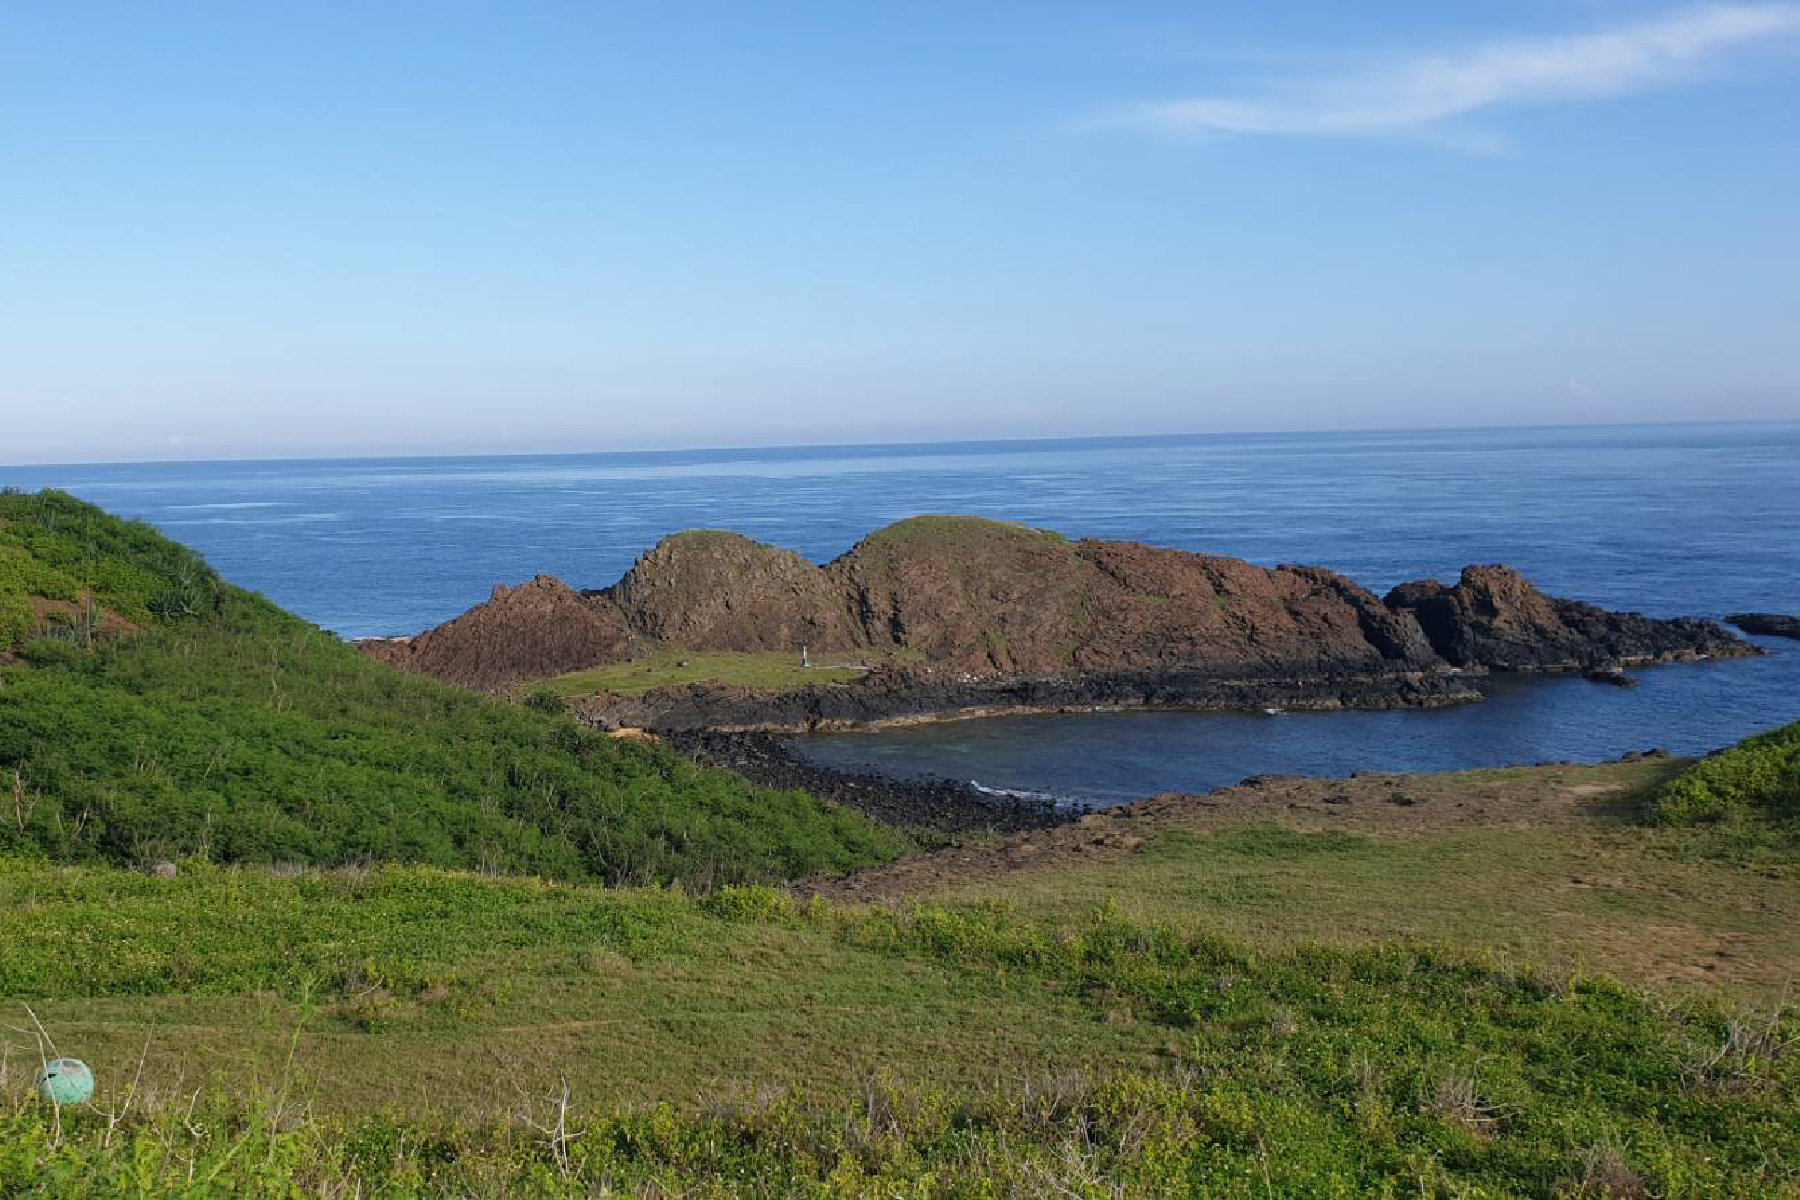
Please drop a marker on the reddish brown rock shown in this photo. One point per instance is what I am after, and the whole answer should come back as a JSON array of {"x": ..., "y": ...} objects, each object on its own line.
[
  {"x": 709, "y": 590},
  {"x": 991, "y": 597},
  {"x": 533, "y": 631}
]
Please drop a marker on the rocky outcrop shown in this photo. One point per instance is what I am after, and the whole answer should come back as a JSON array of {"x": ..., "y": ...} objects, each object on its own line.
[
  {"x": 535, "y": 630},
  {"x": 1006, "y": 618},
  {"x": 945, "y": 806},
  {"x": 1494, "y": 619},
  {"x": 709, "y": 590},
  {"x": 1002, "y": 599},
  {"x": 1766, "y": 624}
]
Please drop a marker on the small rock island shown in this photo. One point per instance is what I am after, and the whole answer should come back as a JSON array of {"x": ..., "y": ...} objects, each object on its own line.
[{"x": 961, "y": 616}]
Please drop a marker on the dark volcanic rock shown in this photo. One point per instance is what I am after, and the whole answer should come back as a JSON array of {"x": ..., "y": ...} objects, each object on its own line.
[
  {"x": 944, "y": 805},
  {"x": 900, "y": 696},
  {"x": 1493, "y": 618},
  {"x": 1766, "y": 624},
  {"x": 532, "y": 631}
]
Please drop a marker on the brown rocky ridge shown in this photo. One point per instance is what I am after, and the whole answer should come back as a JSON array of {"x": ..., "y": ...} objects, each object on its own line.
[{"x": 1004, "y": 617}]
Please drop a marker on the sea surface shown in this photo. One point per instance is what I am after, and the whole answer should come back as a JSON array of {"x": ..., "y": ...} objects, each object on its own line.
[{"x": 1669, "y": 520}]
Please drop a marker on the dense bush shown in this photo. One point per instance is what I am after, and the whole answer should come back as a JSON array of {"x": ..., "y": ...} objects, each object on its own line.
[
  {"x": 1759, "y": 778},
  {"x": 229, "y": 729}
]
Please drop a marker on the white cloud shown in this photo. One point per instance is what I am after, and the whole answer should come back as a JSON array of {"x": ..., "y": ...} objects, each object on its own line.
[{"x": 1423, "y": 92}]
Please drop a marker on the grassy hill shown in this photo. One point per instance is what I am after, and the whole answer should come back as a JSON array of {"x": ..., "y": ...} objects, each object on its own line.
[{"x": 149, "y": 710}]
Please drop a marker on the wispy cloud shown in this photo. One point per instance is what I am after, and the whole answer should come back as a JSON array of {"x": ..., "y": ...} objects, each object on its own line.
[{"x": 1420, "y": 93}]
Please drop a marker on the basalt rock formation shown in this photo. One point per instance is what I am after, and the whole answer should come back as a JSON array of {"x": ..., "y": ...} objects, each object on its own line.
[
  {"x": 1004, "y": 617},
  {"x": 1766, "y": 624},
  {"x": 1493, "y": 618},
  {"x": 992, "y": 598},
  {"x": 909, "y": 695}
]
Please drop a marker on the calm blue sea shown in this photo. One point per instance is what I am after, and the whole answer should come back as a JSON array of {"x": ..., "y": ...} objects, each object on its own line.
[{"x": 1671, "y": 520}]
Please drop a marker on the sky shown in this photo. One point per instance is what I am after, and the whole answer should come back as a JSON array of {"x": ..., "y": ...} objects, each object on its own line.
[{"x": 322, "y": 228}]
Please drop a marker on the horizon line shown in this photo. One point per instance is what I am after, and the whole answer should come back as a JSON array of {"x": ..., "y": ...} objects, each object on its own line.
[{"x": 891, "y": 445}]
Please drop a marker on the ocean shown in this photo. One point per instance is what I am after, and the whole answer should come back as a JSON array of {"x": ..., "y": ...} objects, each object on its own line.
[{"x": 1672, "y": 520}]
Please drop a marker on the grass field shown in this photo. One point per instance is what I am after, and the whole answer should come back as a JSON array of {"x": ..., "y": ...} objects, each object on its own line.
[
  {"x": 1561, "y": 981},
  {"x": 764, "y": 669},
  {"x": 1308, "y": 998},
  {"x": 1560, "y": 869}
]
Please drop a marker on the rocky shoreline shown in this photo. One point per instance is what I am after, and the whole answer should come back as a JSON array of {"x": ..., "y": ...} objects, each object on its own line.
[
  {"x": 919, "y": 696},
  {"x": 942, "y": 806}
]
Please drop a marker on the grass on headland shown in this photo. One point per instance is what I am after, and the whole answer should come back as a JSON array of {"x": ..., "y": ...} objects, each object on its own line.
[
  {"x": 1304, "y": 1071},
  {"x": 751, "y": 669}
]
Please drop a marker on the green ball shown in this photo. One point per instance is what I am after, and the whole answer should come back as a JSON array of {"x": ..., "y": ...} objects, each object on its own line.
[{"x": 66, "y": 1081}]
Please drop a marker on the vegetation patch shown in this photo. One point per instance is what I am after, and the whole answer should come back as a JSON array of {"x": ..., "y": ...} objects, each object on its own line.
[
  {"x": 957, "y": 532},
  {"x": 772, "y": 670},
  {"x": 227, "y": 931},
  {"x": 1756, "y": 780}
]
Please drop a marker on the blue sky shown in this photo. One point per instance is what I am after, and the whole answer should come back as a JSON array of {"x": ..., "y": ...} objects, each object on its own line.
[{"x": 281, "y": 229}]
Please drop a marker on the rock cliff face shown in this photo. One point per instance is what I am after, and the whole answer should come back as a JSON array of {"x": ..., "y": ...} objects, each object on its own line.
[
  {"x": 1007, "y": 616},
  {"x": 1003, "y": 599}
]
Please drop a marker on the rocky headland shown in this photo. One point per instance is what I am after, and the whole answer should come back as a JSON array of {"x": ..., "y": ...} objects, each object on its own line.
[{"x": 963, "y": 616}]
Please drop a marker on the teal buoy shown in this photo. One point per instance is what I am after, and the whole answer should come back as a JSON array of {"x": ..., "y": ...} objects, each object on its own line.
[{"x": 66, "y": 1081}]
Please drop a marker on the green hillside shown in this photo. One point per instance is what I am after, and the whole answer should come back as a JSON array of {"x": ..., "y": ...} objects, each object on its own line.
[{"x": 149, "y": 710}]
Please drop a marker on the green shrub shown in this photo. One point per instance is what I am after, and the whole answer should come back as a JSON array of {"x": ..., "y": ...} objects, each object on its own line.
[
  {"x": 546, "y": 701},
  {"x": 1759, "y": 778},
  {"x": 57, "y": 547}
]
